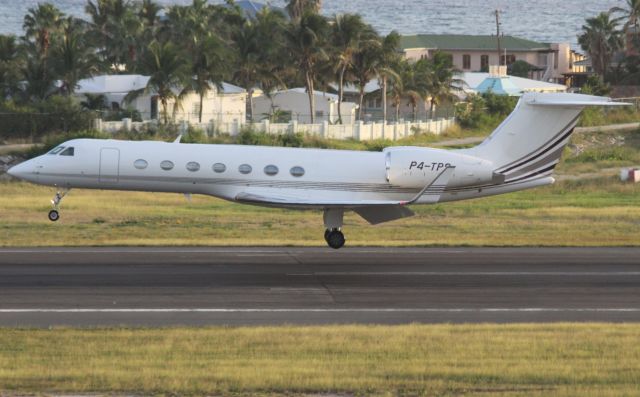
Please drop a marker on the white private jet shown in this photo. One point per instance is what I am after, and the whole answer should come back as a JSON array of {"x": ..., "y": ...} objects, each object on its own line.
[{"x": 520, "y": 154}]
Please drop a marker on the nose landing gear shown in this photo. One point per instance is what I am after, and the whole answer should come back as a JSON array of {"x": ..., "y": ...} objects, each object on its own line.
[{"x": 54, "y": 215}]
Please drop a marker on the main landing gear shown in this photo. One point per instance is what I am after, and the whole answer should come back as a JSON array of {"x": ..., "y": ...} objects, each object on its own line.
[
  {"x": 333, "y": 222},
  {"x": 54, "y": 215}
]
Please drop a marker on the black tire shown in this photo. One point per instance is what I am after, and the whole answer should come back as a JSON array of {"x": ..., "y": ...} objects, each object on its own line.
[
  {"x": 326, "y": 235},
  {"x": 335, "y": 239},
  {"x": 54, "y": 215}
]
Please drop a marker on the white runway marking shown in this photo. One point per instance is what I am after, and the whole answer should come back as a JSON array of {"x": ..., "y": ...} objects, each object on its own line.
[
  {"x": 598, "y": 274},
  {"x": 347, "y": 310}
]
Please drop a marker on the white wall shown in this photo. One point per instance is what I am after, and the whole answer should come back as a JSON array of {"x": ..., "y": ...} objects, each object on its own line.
[{"x": 298, "y": 104}]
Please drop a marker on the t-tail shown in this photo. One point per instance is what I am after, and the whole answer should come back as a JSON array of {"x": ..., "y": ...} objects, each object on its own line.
[{"x": 529, "y": 143}]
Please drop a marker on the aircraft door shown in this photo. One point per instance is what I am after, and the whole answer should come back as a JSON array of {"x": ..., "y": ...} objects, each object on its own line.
[{"x": 109, "y": 165}]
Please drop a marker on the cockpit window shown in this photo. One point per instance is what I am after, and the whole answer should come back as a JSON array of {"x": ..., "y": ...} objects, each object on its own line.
[
  {"x": 67, "y": 152},
  {"x": 56, "y": 150}
]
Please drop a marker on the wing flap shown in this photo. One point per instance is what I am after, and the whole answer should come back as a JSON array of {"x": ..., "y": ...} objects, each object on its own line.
[{"x": 383, "y": 213}]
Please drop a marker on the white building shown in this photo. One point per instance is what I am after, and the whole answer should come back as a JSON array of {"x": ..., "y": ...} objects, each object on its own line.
[
  {"x": 220, "y": 106},
  {"x": 295, "y": 102}
]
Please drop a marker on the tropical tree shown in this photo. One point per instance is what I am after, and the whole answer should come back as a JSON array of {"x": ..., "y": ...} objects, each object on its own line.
[
  {"x": 168, "y": 73},
  {"x": 388, "y": 59},
  {"x": 366, "y": 65},
  {"x": 297, "y": 8},
  {"x": 73, "y": 57},
  {"x": 441, "y": 79},
  {"x": 600, "y": 39},
  {"x": 630, "y": 14},
  {"x": 348, "y": 33},
  {"x": 10, "y": 64},
  {"x": 306, "y": 42},
  {"x": 40, "y": 24},
  {"x": 118, "y": 30}
]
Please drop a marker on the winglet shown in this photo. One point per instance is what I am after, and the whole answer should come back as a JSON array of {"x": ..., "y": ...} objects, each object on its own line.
[{"x": 435, "y": 188}]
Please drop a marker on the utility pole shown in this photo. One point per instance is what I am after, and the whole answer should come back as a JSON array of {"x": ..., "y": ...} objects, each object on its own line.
[{"x": 498, "y": 36}]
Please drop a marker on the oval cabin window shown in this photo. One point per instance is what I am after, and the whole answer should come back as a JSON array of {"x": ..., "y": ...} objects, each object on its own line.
[
  {"x": 166, "y": 165},
  {"x": 245, "y": 169},
  {"x": 297, "y": 171},
  {"x": 219, "y": 168},
  {"x": 193, "y": 166},
  {"x": 141, "y": 164},
  {"x": 271, "y": 170}
]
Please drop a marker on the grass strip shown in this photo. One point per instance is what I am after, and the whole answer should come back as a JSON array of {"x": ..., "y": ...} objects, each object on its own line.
[{"x": 521, "y": 359}]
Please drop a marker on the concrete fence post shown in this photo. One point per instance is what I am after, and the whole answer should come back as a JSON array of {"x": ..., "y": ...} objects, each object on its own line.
[
  {"x": 97, "y": 124},
  {"x": 266, "y": 126},
  {"x": 294, "y": 126},
  {"x": 126, "y": 124},
  {"x": 325, "y": 129},
  {"x": 235, "y": 127},
  {"x": 407, "y": 129}
]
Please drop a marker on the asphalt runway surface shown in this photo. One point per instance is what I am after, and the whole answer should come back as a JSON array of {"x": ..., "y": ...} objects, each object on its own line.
[{"x": 251, "y": 286}]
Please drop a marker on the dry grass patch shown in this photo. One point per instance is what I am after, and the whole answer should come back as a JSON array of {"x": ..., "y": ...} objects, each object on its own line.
[{"x": 597, "y": 359}]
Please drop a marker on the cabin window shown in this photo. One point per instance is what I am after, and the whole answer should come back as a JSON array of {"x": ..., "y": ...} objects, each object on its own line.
[
  {"x": 56, "y": 150},
  {"x": 193, "y": 166},
  {"x": 140, "y": 164},
  {"x": 166, "y": 165},
  {"x": 219, "y": 168},
  {"x": 245, "y": 169},
  {"x": 271, "y": 170},
  {"x": 297, "y": 171},
  {"x": 68, "y": 152}
]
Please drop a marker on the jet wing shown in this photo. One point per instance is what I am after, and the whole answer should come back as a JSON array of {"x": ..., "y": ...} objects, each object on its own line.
[{"x": 374, "y": 211}]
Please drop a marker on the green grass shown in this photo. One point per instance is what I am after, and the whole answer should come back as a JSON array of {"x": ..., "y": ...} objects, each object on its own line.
[
  {"x": 412, "y": 360},
  {"x": 579, "y": 213}
]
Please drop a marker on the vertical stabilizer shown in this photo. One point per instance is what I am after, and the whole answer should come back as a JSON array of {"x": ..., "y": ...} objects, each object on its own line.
[{"x": 530, "y": 141}]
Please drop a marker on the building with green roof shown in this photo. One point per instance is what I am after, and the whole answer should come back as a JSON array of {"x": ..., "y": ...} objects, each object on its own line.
[{"x": 470, "y": 53}]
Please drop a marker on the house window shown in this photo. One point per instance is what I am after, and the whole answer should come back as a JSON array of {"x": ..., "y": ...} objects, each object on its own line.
[
  {"x": 508, "y": 59},
  {"x": 195, "y": 110},
  {"x": 466, "y": 61},
  {"x": 484, "y": 63},
  {"x": 319, "y": 114}
]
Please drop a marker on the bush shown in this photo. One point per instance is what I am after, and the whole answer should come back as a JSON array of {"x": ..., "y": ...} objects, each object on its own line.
[{"x": 56, "y": 114}]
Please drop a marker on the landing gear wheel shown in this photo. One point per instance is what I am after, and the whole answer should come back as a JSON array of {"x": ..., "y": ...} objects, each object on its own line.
[
  {"x": 326, "y": 235},
  {"x": 54, "y": 215},
  {"x": 335, "y": 239}
]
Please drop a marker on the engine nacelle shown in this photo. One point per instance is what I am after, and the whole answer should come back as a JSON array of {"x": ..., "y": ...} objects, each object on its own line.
[{"x": 413, "y": 167}]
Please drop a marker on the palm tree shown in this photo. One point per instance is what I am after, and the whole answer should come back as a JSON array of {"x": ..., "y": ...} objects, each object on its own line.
[
  {"x": 366, "y": 64},
  {"x": 73, "y": 58},
  {"x": 164, "y": 64},
  {"x": 389, "y": 57},
  {"x": 349, "y": 33},
  {"x": 117, "y": 30},
  {"x": 297, "y": 8},
  {"x": 630, "y": 14},
  {"x": 441, "y": 79},
  {"x": 600, "y": 39},
  {"x": 209, "y": 65},
  {"x": 40, "y": 24},
  {"x": 10, "y": 64},
  {"x": 306, "y": 42}
]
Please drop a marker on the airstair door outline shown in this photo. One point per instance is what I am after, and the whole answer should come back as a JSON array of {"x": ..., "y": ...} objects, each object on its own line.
[{"x": 109, "y": 165}]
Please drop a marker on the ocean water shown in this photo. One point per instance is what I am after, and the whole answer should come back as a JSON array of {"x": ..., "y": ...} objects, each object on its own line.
[{"x": 542, "y": 20}]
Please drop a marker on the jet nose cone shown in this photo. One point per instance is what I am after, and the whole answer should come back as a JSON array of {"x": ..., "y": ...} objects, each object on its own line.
[{"x": 19, "y": 171}]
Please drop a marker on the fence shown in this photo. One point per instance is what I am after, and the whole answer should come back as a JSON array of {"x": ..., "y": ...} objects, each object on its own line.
[{"x": 359, "y": 131}]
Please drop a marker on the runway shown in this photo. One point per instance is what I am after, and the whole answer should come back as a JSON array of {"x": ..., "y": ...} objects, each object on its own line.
[{"x": 265, "y": 286}]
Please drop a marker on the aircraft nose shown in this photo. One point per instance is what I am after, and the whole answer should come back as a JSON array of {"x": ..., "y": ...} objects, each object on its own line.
[{"x": 21, "y": 170}]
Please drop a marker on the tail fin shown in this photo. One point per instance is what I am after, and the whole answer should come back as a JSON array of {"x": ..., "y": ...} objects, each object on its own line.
[{"x": 530, "y": 141}]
